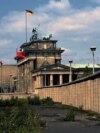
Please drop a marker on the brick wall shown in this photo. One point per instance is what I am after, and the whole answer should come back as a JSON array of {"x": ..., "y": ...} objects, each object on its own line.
[{"x": 7, "y": 70}]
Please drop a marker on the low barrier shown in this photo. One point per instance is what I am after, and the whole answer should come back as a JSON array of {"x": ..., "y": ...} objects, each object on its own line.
[{"x": 5, "y": 96}]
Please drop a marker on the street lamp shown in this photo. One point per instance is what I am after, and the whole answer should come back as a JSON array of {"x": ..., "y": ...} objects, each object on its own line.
[
  {"x": 10, "y": 82},
  {"x": 70, "y": 74},
  {"x": 93, "y": 49}
]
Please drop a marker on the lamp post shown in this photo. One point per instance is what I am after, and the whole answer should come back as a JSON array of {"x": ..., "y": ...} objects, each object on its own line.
[
  {"x": 1, "y": 79},
  {"x": 93, "y": 49},
  {"x": 10, "y": 82},
  {"x": 70, "y": 74}
]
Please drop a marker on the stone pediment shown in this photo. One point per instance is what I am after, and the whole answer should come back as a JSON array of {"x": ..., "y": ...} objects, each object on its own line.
[{"x": 54, "y": 67}]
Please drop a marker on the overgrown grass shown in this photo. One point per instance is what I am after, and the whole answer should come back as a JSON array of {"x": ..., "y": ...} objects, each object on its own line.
[
  {"x": 12, "y": 102},
  {"x": 19, "y": 120},
  {"x": 47, "y": 101},
  {"x": 30, "y": 100},
  {"x": 17, "y": 115},
  {"x": 70, "y": 115},
  {"x": 34, "y": 101}
]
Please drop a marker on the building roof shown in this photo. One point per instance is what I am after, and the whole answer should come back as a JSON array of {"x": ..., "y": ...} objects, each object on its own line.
[
  {"x": 84, "y": 65},
  {"x": 37, "y": 41},
  {"x": 52, "y": 67}
]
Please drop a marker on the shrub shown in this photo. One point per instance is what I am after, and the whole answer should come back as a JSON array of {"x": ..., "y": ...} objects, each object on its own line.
[
  {"x": 2, "y": 103},
  {"x": 47, "y": 101},
  {"x": 34, "y": 101},
  {"x": 26, "y": 119},
  {"x": 98, "y": 117},
  {"x": 70, "y": 116},
  {"x": 80, "y": 109},
  {"x": 20, "y": 120},
  {"x": 12, "y": 102}
]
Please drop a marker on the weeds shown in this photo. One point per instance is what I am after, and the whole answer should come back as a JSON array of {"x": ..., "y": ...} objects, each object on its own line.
[{"x": 70, "y": 116}]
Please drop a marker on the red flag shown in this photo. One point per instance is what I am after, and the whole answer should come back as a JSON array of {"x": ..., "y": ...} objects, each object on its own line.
[
  {"x": 1, "y": 63},
  {"x": 20, "y": 54}
]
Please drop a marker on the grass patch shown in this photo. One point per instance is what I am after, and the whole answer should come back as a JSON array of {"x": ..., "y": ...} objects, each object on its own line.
[
  {"x": 20, "y": 120},
  {"x": 47, "y": 101},
  {"x": 70, "y": 116},
  {"x": 34, "y": 101}
]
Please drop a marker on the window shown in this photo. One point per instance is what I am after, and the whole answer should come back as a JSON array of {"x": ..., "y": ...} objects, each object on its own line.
[
  {"x": 57, "y": 61},
  {"x": 34, "y": 64}
]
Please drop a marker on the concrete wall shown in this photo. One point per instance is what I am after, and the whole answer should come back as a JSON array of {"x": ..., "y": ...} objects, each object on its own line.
[
  {"x": 7, "y": 70},
  {"x": 19, "y": 95},
  {"x": 84, "y": 92}
]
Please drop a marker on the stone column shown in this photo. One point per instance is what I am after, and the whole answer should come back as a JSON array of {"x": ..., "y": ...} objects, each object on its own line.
[
  {"x": 39, "y": 81},
  {"x": 61, "y": 82},
  {"x": 51, "y": 80},
  {"x": 45, "y": 79}
]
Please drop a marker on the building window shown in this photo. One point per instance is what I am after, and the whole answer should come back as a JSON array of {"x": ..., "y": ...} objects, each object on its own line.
[
  {"x": 34, "y": 78},
  {"x": 57, "y": 61},
  {"x": 33, "y": 65},
  {"x": 56, "y": 79},
  {"x": 46, "y": 80},
  {"x": 65, "y": 78}
]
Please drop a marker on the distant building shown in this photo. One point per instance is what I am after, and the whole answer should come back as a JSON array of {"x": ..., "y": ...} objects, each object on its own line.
[
  {"x": 8, "y": 81},
  {"x": 41, "y": 66},
  {"x": 97, "y": 66}
]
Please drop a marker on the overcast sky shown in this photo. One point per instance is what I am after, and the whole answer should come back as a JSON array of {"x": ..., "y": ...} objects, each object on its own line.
[{"x": 74, "y": 23}]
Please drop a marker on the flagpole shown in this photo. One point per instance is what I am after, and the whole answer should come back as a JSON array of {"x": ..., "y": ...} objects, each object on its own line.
[
  {"x": 27, "y": 12},
  {"x": 26, "y": 25}
]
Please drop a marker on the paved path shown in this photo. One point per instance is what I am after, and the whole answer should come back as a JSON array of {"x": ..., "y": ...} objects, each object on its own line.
[
  {"x": 71, "y": 127},
  {"x": 55, "y": 124}
]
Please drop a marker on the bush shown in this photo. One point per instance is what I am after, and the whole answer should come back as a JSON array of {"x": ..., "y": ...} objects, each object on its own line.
[
  {"x": 70, "y": 116},
  {"x": 23, "y": 118},
  {"x": 80, "y": 109},
  {"x": 98, "y": 117},
  {"x": 34, "y": 101},
  {"x": 19, "y": 120},
  {"x": 2, "y": 103},
  {"x": 12, "y": 102},
  {"x": 47, "y": 101}
]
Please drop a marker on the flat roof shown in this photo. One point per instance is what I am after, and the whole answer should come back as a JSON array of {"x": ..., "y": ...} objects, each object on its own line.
[{"x": 83, "y": 65}]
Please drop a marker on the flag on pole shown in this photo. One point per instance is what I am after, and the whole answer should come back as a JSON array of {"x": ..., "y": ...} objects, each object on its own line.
[
  {"x": 20, "y": 54},
  {"x": 29, "y": 12}
]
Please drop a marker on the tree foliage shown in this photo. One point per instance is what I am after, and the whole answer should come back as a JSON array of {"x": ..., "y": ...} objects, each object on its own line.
[{"x": 87, "y": 71}]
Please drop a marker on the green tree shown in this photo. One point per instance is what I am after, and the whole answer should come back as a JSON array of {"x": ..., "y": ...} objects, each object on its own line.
[{"x": 87, "y": 71}]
